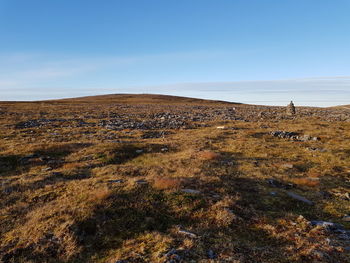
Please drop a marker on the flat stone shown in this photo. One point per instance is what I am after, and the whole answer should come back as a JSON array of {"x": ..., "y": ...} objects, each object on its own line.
[
  {"x": 174, "y": 256},
  {"x": 171, "y": 252},
  {"x": 287, "y": 165},
  {"x": 346, "y": 218},
  {"x": 187, "y": 233},
  {"x": 329, "y": 225},
  {"x": 141, "y": 182},
  {"x": 190, "y": 191},
  {"x": 299, "y": 198},
  {"x": 116, "y": 181},
  {"x": 273, "y": 183},
  {"x": 305, "y": 138},
  {"x": 278, "y": 184},
  {"x": 211, "y": 254},
  {"x": 315, "y": 149}
]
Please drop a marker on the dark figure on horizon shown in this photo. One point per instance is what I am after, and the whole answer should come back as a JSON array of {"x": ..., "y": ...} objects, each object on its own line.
[{"x": 291, "y": 108}]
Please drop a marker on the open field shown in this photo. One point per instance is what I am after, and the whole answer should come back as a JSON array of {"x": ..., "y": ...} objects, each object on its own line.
[{"x": 151, "y": 178}]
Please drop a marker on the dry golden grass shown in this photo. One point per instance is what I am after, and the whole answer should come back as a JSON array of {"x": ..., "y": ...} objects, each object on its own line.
[
  {"x": 208, "y": 155},
  {"x": 91, "y": 194},
  {"x": 310, "y": 182},
  {"x": 167, "y": 183},
  {"x": 308, "y": 243}
]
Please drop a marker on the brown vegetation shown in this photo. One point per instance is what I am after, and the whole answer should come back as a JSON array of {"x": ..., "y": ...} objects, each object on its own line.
[
  {"x": 208, "y": 155},
  {"x": 167, "y": 183},
  {"x": 311, "y": 182},
  {"x": 101, "y": 179}
]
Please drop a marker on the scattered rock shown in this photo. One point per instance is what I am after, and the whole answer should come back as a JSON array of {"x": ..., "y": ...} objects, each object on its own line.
[
  {"x": 327, "y": 225},
  {"x": 294, "y": 136},
  {"x": 211, "y": 254},
  {"x": 346, "y": 218},
  {"x": 187, "y": 233},
  {"x": 164, "y": 149},
  {"x": 175, "y": 256},
  {"x": 40, "y": 123},
  {"x": 170, "y": 121},
  {"x": 341, "y": 193},
  {"x": 190, "y": 191},
  {"x": 299, "y": 198},
  {"x": 141, "y": 182},
  {"x": 285, "y": 135},
  {"x": 116, "y": 181},
  {"x": 314, "y": 149},
  {"x": 287, "y": 165},
  {"x": 305, "y": 138},
  {"x": 277, "y": 184}
]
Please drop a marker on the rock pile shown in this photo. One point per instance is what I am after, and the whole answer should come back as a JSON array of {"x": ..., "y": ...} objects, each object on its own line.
[
  {"x": 121, "y": 124},
  {"x": 294, "y": 136},
  {"x": 335, "y": 228},
  {"x": 291, "y": 108},
  {"x": 53, "y": 123},
  {"x": 285, "y": 135}
]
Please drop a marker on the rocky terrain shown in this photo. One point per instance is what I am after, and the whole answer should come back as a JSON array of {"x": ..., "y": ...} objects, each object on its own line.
[{"x": 151, "y": 178}]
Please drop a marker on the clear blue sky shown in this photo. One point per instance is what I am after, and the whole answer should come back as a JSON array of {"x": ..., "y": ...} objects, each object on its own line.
[{"x": 262, "y": 51}]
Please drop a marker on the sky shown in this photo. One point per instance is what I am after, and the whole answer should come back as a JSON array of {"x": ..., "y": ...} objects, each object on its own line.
[{"x": 257, "y": 51}]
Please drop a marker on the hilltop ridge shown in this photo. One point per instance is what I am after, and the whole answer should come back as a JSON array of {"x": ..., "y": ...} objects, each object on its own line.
[{"x": 143, "y": 99}]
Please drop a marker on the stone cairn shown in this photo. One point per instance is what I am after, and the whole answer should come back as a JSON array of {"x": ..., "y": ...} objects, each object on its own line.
[{"x": 290, "y": 109}]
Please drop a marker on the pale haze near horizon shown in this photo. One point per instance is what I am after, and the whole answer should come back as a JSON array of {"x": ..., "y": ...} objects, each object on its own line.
[{"x": 261, "y": 52}]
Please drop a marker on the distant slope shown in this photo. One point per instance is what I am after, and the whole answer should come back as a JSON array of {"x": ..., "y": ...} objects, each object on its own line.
[
  {"x": 141, "y": 99},
  {"x": 342, "y": 107}
]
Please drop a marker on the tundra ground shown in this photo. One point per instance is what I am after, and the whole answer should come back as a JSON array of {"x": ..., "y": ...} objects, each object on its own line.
[{"x": 148, "y": 178}]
